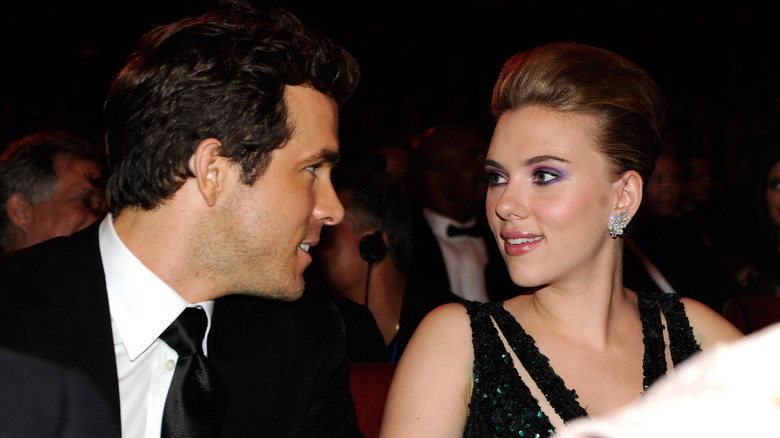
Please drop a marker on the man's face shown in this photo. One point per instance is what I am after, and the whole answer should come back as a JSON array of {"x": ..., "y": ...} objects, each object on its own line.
[
  {"x": 75, "y": 204},
  {"x": 266, "y": 229},
  {"x": 463, "y": 171},
  {"x": 662, "y": 196}
]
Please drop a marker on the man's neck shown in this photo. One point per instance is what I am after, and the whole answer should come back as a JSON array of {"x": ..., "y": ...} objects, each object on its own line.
[
  {"x": 159, "y": 240},
  {"x": 385, "y": 297}
]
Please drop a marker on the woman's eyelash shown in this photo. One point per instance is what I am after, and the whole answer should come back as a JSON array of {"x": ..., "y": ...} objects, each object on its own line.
[
  {"x": 495, "y": 178},
  {"x": 545, "y": 176},
  {"x": 539, "y": 177}
]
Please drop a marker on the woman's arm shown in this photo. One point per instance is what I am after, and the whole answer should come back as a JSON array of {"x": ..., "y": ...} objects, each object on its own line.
[{"x": 430, "y": 392}]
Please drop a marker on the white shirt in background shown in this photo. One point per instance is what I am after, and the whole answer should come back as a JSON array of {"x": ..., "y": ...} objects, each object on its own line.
[{"x": 464, "y": 256}]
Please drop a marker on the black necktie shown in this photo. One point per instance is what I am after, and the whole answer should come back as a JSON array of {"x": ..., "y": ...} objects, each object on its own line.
[
  {"x": 472, "y": 231},
  {"x": 197, "y": 397}
]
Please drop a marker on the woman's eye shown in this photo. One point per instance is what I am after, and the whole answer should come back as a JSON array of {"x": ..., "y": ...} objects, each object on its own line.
[
  {"x": 495, "y": 178},
  {"x": 311, "y": 168},
  {"x": 773, "y": 185},
  {"x": 545, "y": 177}
]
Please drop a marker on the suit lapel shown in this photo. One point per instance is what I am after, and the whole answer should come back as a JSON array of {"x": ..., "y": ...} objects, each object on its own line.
[{"x": 429, "y": 260}]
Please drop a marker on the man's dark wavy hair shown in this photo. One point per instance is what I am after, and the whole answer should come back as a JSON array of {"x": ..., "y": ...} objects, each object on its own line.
[{"x": 221, "y": 75}]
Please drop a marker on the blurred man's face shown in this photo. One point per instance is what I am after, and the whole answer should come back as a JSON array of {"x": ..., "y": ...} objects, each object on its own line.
[
  {"x": 773, "y": 193},
  {"x": 340, "y": 269},
  {"x": 664, "y": 186},
  {"x": 75, "y": 204}
]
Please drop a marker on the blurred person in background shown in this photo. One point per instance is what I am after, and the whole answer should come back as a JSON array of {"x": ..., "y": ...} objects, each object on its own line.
[
  {"x": 452, "y": 243},
  {"x": 666, "y": 250},
  {"x": 50, "y": 186},
  {"x": 363, "y": 266}
]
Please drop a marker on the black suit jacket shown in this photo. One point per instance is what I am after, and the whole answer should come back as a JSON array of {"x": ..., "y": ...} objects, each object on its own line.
[
  {"x": 284, "y": 363},
  {"x": 429, "y": 264},
  {"x": 43, "y": 400}
]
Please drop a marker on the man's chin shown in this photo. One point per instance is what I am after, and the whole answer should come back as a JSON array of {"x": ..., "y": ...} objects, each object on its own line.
[{"x": 291, "y": 293}]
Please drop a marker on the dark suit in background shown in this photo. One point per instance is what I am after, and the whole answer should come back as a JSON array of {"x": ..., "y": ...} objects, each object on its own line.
[
  {"x": 429, "y": 262},
  {"x": 43, "y": 400},
  {"x": 449, "y": 178}
]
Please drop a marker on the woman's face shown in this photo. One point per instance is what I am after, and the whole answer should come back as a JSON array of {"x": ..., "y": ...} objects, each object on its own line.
[
  {"x": 773, "y": 193},
  {"x": 550, "y": 197}
]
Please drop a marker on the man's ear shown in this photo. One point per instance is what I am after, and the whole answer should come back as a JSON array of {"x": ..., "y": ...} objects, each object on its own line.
[
  {"x": 19, "y": 211},
  {"x": 210, "y": 169},
  {"x": 629, "y": 192}
]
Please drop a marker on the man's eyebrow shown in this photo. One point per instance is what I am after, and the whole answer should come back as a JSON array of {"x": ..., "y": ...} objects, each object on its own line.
[{"x": 327, "y": 156}]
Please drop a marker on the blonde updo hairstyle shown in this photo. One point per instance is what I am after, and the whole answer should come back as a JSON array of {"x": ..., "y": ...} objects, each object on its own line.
[{"x": 570, "y": 77}]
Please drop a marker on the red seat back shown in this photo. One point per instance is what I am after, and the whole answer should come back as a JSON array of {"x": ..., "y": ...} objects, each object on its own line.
[
  {"x": 369, "y": 382},
  {"x": 751, "y": 313}
]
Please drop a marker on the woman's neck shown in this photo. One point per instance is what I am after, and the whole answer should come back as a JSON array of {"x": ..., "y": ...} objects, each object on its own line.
[
  {"x": 591, "y": 313},
  {"x": 386, "y": 299}
]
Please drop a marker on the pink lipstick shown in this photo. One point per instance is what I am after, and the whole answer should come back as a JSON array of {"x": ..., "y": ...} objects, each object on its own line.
[{"x": 517, "y": 243}]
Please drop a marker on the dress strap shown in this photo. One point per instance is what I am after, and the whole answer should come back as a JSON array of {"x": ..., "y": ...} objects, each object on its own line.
[
  {"x": 501, "y": 404},
  {"x": 682, "y": 343},
  {"x": 562, "y": 399},
  {"x": 654, "y": 363}
]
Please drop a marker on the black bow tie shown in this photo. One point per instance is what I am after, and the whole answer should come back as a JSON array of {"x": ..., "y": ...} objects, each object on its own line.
[{"x": 473, "y": 231}]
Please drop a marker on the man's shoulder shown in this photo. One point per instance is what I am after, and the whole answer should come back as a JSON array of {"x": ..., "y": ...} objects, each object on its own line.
[
  {"x": 57, "y": 266},
  {"x": 25, "y": 263},
  {"x": 309, "y": 313}
]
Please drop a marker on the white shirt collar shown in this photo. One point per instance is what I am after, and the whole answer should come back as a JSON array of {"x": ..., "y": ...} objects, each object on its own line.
[
  {"x": 142, "y": 306},
  {"x": 439, "y": 223}
]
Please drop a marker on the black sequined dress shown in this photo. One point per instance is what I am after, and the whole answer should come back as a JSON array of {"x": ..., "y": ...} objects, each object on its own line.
[{"x": 502, "y": 404}]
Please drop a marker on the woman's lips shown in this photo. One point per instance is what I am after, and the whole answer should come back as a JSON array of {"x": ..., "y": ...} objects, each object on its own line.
[{"x": 516, "y": 244}]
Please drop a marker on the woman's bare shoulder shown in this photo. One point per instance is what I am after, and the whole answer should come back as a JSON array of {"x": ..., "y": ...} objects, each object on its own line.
[
  {"x": 431, "y": 387},
  {"x": 709, "y": 327},
  {"x": 446, "y": 323}
]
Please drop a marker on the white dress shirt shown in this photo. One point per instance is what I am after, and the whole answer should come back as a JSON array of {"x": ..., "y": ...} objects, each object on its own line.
[
  {"x": 464, "y": 256},
  {"x": 142, "y": 306}
]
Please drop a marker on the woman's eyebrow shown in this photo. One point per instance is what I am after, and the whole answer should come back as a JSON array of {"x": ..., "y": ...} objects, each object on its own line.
[
  {"x": 530, "y": 161},
  {"x": 542, "y": 158}
]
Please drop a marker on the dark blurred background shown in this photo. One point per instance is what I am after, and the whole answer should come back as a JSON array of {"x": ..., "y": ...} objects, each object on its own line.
[{"x": 423, "y": 62}]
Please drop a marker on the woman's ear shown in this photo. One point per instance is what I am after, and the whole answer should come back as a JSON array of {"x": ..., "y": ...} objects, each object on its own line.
[
  {"x": 209, "y": 168},
  {"x": 628, "y": 191}
]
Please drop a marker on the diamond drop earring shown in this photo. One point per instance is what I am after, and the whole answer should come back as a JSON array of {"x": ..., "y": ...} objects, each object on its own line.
[{"x": 617, "y": 223}]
